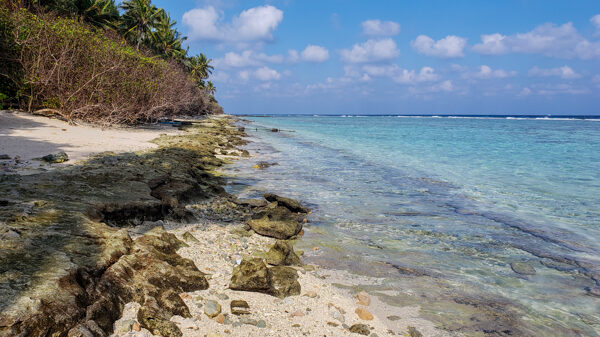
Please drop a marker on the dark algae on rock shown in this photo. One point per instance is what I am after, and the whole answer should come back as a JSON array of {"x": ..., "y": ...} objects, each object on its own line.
[{"x": 67, "y": 267}]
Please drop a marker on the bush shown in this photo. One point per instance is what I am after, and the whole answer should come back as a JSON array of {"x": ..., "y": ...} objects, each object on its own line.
[{"x": 81, "y": 73}]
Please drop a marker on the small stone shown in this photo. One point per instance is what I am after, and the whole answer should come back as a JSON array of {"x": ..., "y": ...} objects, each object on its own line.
[
  {"x": 308, "y": 267},
  {"x": 393, "y": 318},
  {"x": 213, "y": 334},
  {"x": 522, "y": 268},
  {"x": 311, "y": 294},
  {"x": 295, "y": 325},
  {"x": 239, "y": 307},
  {"x": 315, "y": 248},
  {"x": 261, "y": 324},
  {"x": 222, "y": 297},
  {"x": 220, "y": 318},
  {"x": 249, "y": 321},
  {"x": 212, "y": 308},
  {"x": 364, "y": 314},
  {"x": 298, "y": 314},
  {"x": 363, "y": 298},
  {"x": 59, "y": 157},
  {"x": 188, "y": 237},
  {"x": 413, "y": 332},
  {"x": 4, "y": 157},
  {"x": 362, "y": 329},
  {"x": 345, "y": 326},
  {"x": 227, "y": 331},
  {"x": 136, "y": 326},
  {"x": 373, "y": 335},
  {"x": 333, "y": 324}
]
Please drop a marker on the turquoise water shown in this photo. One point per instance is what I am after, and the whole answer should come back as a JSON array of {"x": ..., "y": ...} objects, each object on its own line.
[{"x": 441, "y": 207}]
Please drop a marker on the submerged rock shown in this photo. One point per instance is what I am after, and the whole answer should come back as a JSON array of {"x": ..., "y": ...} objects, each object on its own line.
[
  {"x": 263, "y": 165},
  {"x": 522, "y": 268},
  {"x": 288, "y": 203},
  {"x": 282, "y": 254}
]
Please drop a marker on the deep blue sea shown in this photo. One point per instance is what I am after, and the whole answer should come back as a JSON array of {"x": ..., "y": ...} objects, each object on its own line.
[{"x": 490, "y": 224}]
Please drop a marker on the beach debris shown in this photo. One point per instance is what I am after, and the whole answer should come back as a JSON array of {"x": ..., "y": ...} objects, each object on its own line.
[
  {"x": 239, "y": 307},
  {"x": 188, "y": 237},
  {"x": 522, "y": 268},
  {"x": 393, "y": 318},
  {"x": 364, "y": 314},
  {"x": 212, "y": 308},
  {"x": 361, "y": 329},
  {"x": 413, "y": 332},
  {"x": 274, "y": 130},
  {"x": 254, "y": 275},
  {"x": 282, "y": 254},
  {"x": 363, "y": 298},
  {"x": 55, "y": 158}
]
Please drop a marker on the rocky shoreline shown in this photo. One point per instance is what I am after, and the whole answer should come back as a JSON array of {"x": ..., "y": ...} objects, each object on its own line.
[{"x": 87, "y": 245}]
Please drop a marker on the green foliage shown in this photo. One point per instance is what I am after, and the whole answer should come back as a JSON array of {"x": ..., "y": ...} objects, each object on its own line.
[
  {"x": 2, "y": 98},
  {"x": 10, "y": 71}
]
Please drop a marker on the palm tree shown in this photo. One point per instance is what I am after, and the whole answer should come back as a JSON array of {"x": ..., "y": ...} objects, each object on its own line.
[
  {"x": 100, "y": 13},
  {"x": 200, "y": 68},
  {"x": 166, "y": 40},
  {"x": 139, "y": 18},
  {"x": 210, "y": 88}
]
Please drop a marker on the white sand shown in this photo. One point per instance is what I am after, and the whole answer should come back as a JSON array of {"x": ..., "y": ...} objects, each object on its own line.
[{"x": 28, "y": 136}]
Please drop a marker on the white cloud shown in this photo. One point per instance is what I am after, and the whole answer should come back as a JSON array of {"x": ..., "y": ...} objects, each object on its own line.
[
  {"x": 595, "y": 20},
  {"x": 380, "y": 28},
  {"x": 293, "y": 55},
  {"x": 244, "y": 75},
  {"x": 444, "y": 86},
  {"x": 564, "y": 72},
  {"x": 485, "y": 72},
  {"x": 266, "y": 74},
  {"x": 371, "y": 51},
  {"x": 548, "y": 39},
  {"x": 525, "y": 92},
  {"x": 247, "y": 58},
  {"x": 449, "y": 47},
  {"x": 254, "y": 24},
  {"x": 314, "y": 53}
]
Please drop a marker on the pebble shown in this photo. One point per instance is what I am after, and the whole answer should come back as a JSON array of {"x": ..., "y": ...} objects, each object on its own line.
[
  {"x": 222, "y": 296},
  {"x": 364, "y": 314},
  {"x": 522, "y": 268},
  {"x": 239, "y": 307},
  {"x": 361, "y": 329},
  {"x": 393, "y": 318},
  {"x": 249, "y": 321},
  {"x": 413, "y": 332},
  {"x": 334, "y": 324},
  {"x": 261, "y": 324},
  {"x": 295, "y": 325},
  {"x": 298, "y": 314},
  {"x": 212, "y": 308},
  {"x": 363, "y": 298},
  {"x": 311, "y": 294},
  {"x": 220, "y": 318}
]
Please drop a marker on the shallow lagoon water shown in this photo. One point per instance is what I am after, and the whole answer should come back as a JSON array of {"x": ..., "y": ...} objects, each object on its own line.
[{"x": 441, "y": 208}]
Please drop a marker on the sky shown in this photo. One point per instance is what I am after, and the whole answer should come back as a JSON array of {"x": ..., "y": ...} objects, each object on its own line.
[{"x": 398, "y": 57}]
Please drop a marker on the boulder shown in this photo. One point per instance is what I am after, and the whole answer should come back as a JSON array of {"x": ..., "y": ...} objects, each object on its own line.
[
  {"x": 288, "y": 203},
  {"x": 282, "y": 254},
  {"x": 284, "y": 282},
  {"x": 275, "y": 221},
  {"x": 251, "y": 275}
]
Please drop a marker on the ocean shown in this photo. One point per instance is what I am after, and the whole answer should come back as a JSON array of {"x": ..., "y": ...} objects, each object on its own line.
[{"x": 490, "y": 224}]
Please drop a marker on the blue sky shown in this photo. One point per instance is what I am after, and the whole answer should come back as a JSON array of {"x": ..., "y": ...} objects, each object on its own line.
[{"x": 403, "y": 57}]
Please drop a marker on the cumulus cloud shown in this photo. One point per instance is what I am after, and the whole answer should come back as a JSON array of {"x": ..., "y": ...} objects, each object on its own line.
[
  {"x": 548, "y": 39},
  {"x": 371, "y": 51},
  {"x": 314, "y": 53},
  {"x": 444, "y": 86},
  {"x": 486, "y": 72},
  {"x": 564, "y": 72},
  {"x": 449, "y": 47},
  {"x": 254, "y": 24},
  {"x": 400, "y": 75},
  {"x": 380, "y": 28},
  {"x": 262, "y": 74},
  {"x": 247, "y": 58},
  {"x": 293, "y": 55}
]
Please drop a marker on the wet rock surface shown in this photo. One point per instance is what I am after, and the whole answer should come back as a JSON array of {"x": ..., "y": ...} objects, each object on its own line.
[
  {"x": 281, "y": 219},
  {"x": 254, "y": 275},
  {"x": 282, "y": 254}
]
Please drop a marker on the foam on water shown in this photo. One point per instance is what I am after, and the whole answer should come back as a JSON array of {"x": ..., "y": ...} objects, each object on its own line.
[{"x": 441, "y": 208}]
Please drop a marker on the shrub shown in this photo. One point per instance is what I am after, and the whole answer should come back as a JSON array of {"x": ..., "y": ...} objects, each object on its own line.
[{"x": 81, "y": 73}]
